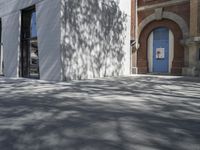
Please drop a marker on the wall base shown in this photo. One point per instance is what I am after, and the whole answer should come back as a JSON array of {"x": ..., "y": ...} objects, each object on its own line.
[
  {"x": 191, "y": 71},
  {"x": 134, "y": 70},
  {"x": 176, "y": 71}
]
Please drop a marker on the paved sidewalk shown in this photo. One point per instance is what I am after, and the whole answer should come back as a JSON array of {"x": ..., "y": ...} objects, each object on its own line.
[{"x": 128, "y": 113}]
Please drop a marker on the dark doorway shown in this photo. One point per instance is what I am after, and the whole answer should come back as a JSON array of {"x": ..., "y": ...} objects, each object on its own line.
[
  {"x": 29, "y": 45},
  {"x": 1, "y": 50}
]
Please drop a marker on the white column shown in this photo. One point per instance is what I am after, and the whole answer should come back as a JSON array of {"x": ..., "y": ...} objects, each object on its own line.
[{"x": 11, "y": 44}]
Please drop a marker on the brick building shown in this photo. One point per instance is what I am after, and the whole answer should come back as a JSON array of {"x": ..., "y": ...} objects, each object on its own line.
[{"x": 166, "y": 37}]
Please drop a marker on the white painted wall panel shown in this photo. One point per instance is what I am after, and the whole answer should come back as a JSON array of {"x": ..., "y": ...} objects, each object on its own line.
[
  {"x": 96, "y": 42},
  {"x": 125, "y": 6},
  {"x": 12, "y": 6},
  {"x": 11, "y": 44},
  {"x": 126, "y": 48},
  {"x": 49, "y": 26},
  {"x": 95, "y": 37}
]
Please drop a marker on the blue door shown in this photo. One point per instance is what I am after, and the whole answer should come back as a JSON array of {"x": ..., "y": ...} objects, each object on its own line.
[{"x": 161, "y": 50}]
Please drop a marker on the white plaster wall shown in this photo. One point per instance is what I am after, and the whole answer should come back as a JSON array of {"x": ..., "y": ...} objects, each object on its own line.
[
  {"x": 91, "y": 47},
  {"x": 11, "y": 43},
  {"x": 12, "y": 6},
  {"x": 125, "y": 6},
  {"x": 48, "y": 29},
  {"x": 48, "y": 26},
  {"x": 86, "y": 53}
]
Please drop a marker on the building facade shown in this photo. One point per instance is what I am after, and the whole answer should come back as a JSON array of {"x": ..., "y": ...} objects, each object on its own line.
[
  {"x": 65, "y": 39},
  {"x": 165, "y": 37}
]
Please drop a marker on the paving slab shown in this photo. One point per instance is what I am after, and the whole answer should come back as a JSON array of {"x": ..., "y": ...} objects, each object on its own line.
[{"x": 127, "y": 113}]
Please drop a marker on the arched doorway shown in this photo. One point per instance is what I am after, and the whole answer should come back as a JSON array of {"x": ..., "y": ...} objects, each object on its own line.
[
  {"x": 178, "y": 53},
  {"x": 160, "y": 50}
]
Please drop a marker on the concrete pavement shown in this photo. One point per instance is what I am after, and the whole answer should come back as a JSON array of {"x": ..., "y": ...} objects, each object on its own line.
[{"x": 127, "y": 113}]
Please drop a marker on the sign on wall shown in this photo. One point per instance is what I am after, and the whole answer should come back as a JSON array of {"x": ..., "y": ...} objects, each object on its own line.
[{"x": 160, "y": 53}]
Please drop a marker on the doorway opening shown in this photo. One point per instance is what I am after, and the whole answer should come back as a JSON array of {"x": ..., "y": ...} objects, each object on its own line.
[
  {"x": 1, "y": 50},
  {"x": 29, "y": 45},
  {"x": 160, "y": 51}
]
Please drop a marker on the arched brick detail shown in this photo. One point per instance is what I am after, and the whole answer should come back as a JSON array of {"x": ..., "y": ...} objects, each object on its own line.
[
  {"x": 178, "y": 61},
  {"x": 166, "y": 15}
]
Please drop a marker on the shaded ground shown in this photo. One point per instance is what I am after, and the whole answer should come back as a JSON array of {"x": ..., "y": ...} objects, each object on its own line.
[{"x": 130, "y": 113}]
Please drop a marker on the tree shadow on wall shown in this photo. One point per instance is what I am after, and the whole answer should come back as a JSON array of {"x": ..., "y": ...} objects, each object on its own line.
[{"x": 93, "y": 38}]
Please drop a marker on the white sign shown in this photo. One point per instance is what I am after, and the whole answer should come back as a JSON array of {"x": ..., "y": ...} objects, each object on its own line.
[{"x": 160, "y": 53}]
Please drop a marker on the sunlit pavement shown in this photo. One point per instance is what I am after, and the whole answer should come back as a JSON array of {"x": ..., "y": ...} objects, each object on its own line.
[{"x": 128, "y": 113}]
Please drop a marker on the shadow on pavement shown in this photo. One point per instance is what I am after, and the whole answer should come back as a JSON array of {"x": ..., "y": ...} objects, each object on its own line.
[{"x": 130, "y": 113}]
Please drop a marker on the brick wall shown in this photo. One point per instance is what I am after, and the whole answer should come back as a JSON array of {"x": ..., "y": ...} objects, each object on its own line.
[
  {"x": 149, "y": 2},
  {"x": 199, "y": 18},
  {"x": 133, "y": 18},
  {"x": 182, "y": 9}
]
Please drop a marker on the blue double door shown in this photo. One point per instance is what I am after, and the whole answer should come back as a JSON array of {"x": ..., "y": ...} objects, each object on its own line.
[{"x": 161, "y": 50}]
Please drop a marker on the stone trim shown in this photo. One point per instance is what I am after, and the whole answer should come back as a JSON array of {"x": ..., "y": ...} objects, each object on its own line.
[
  {"x": 191, "y": 41},
  {"x": 179, "y": 20},
  {"x": 159, "y": 13},
  {"x": 166, "y": 15}
]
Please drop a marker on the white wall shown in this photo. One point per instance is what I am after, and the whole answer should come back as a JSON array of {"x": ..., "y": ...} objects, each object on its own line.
[
  {"x": 48, "y": 26},
  {"x": 10, "y": 13},
  {"x": 48, "y": 29},
  {"x": 96, "y": 42},
  {"x": 125, "y": 6},
  {"x": 12, "y": 6},
  {"x": 93, "y": 43},
  {"x": 11, "y": 43}
]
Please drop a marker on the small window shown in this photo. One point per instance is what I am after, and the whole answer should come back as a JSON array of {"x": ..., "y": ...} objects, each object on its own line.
[{"x": 33, "y": 25}]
